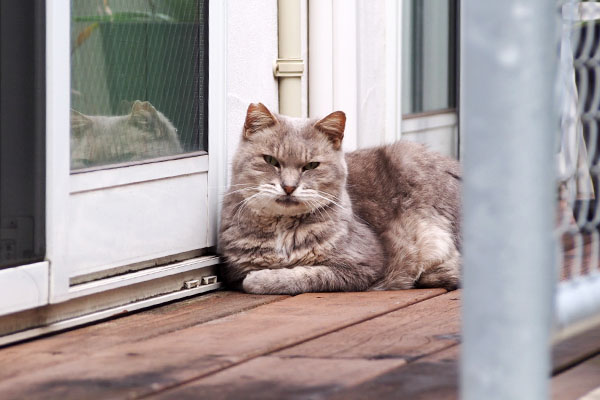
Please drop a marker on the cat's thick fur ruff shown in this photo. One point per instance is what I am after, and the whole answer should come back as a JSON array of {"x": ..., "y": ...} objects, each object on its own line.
[{"x": 300, "y": 216}]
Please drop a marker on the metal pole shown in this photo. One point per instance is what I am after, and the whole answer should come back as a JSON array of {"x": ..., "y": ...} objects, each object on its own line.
[{"x": 509, "y": 57}]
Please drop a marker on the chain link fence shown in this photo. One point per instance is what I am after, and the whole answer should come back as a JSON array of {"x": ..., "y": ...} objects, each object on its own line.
[{"x": 578, "y": 231}]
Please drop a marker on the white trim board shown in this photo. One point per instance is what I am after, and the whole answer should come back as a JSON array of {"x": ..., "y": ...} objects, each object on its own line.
[
  {"x": 23, "y": 287},
  {"x": 58, "y": 73},
  {"x": 142, "y": 276},
  {"x": 217, "y": 115},
  {"x": 104, "y": 314},
  {"x": 109, "y": 178},
  {"x": 429, "y": 122}
]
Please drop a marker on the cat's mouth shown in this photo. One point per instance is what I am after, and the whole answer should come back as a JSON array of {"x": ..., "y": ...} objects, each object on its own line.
[{"x": 287, "y": 200}]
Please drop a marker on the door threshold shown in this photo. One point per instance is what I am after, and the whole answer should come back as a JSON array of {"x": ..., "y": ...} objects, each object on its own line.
[{"x": 105, "y": 314}]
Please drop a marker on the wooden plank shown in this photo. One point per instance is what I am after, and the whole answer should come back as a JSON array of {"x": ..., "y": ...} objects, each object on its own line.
[
  {"x": 435, "y": 377},
  {"x": 141, "y": 367},
  {"x": 275, "y": 378},
  {"x": 577, "y": 381},
  {"x": 573, "y": 350},
  {"x": 430, "y": 378},
  {"x": 346, "y": 357},
  {"x": 593, "y": 395},
  {"x": 411, "y": 332},
  {"x": 27, "y": 357}
]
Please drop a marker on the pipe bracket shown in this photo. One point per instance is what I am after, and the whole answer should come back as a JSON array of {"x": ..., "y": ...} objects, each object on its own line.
[{"x": 288, "y": 67}]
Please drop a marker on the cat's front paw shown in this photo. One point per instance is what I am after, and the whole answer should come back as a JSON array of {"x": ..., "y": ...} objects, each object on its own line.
[{"x": 268, "y": 281}]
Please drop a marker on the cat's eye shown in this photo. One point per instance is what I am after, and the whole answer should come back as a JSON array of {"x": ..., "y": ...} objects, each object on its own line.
[
  {"x": 271, "y": 160},
  {"x": 311, "y": 165}
]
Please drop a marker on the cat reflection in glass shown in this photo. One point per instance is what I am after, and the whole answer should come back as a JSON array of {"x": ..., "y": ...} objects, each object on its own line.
[
  {"x": 302, "y": 216},
  {"x": 144, "y": 133}
]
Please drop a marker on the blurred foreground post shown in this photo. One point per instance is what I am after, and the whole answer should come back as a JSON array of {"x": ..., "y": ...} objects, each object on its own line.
[{"x": 508, "y": 127}]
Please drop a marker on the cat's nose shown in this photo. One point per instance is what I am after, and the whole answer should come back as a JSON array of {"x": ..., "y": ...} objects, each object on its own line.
[{"x": 289, "y": 189}]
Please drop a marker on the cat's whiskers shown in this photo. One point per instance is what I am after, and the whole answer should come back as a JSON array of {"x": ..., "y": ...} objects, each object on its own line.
[
  {"x": 328, "y": 195},
  {"x": 269, "y": 188},
  {"x": 344, "y": 208},
  {"x": 322, "y": 210},
  {"x": 333, "y": 201},
  {"x": 314, "y": 207},
  {"x": 327, "y": 212},
  {"x": 317, "y": 204},
  {"x": 243, "y": 204}
]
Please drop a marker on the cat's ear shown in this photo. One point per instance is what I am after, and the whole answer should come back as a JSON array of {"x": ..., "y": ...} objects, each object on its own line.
[
  {"x": 143, "y": 114},
  {"x": 333, "y": 126},
  {"x": 79, "y": 123},
  {"x": 258, "y": 117}
]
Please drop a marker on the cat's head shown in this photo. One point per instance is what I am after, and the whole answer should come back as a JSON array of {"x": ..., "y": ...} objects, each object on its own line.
[{"x": 289, "y": 166}]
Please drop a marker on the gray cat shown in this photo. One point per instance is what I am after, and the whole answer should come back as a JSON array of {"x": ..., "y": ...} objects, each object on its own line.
[
  {"x": 143, "y": 133},
  {"x": 300, "y": 216}
]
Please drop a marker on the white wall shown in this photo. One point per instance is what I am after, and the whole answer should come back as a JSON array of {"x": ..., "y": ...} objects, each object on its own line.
[
  {"x": 354, "y": 79},
  {"x": 251, "y": 50},
  {"x": 359, "y": 69},
  {"x": 371, "y": 79}
]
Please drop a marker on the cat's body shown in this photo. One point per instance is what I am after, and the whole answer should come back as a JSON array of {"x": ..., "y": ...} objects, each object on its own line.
[
  {"x": 302, "y": 217},
  {"x": 143, "y": 133}
]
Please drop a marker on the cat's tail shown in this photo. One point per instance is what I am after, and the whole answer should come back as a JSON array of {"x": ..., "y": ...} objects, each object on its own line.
[
  {"x": 434, "y": 278},
  {"x": 392, "y": 283}
]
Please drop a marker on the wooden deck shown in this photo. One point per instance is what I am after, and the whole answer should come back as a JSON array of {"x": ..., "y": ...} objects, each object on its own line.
[{"x": 228, "y": 345}]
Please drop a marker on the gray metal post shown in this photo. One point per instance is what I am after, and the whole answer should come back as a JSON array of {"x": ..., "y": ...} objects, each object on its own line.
[{"x": 509, "y": 126}]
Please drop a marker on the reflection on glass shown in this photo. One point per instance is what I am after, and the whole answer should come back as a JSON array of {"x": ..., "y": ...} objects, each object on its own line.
[
  {"x": 429, "y": 54},
  {"x": 138, "y": 80}
]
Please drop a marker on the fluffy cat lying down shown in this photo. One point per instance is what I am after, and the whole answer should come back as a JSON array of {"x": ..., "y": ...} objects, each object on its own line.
[{"x": 302, "y": 216}]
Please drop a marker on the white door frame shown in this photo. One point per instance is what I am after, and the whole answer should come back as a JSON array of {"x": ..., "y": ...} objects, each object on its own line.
[
  {"x": 29, "y": 293},
  {"x": 61, "y": 185}
]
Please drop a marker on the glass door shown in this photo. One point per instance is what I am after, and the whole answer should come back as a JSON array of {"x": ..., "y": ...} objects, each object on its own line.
[{"x": 129, "y": 130}]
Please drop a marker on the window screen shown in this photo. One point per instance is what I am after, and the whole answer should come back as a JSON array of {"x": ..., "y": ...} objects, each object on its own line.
[{"x": 139, "y": 80}]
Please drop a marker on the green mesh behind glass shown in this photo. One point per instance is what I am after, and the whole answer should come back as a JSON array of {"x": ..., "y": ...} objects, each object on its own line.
[{"x": 143, "y": 55}]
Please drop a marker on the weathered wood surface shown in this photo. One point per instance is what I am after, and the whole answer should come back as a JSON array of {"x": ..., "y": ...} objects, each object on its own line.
[
  {"x": 154, "y": 363},
  {"x": 79, "y": 343},
  {"x": 228, "y": 345},
  {"x": 344, "y": 358},
  {"x": 434, "y": 377},
  {"x": 408, "y": 333},
  {"x": 275, "y": 378},
  {"x": 577, "y": 381},
  {"x": 575, "y": 349}
]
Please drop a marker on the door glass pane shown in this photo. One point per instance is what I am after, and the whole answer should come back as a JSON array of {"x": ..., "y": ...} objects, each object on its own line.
[
  {"x": 139, "y": 80},
  {"x": 429, "y": 55}
]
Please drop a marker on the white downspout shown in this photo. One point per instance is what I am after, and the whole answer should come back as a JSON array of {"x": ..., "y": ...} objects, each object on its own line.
[{"x": 289, "y": 66}]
